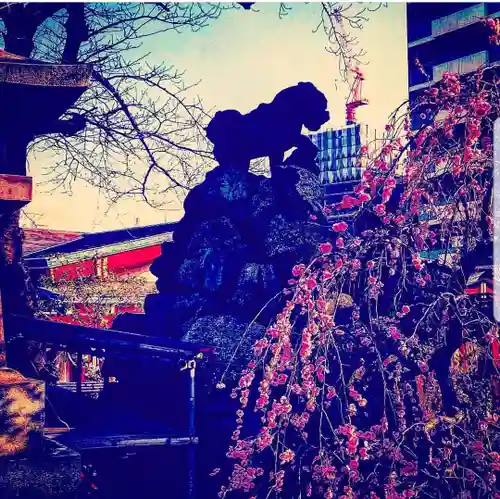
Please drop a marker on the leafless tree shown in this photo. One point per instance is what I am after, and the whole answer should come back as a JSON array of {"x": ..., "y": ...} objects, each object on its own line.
[
  {"x": 340, "y": 21},
  {"x": 144, "y": 132},
  {"x": 141, "y": 125}
]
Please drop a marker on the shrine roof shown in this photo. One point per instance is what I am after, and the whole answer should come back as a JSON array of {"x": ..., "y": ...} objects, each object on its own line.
[
  {"x": 41, "y": 239},
  {"x": 87, "y": 241}
]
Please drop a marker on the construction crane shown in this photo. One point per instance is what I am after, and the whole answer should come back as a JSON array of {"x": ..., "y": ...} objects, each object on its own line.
[{"x": 355, "y": 98}]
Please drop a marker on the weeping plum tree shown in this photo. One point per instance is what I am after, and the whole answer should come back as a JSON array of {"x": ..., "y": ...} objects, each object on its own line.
[{"x": 396, "y": 396}]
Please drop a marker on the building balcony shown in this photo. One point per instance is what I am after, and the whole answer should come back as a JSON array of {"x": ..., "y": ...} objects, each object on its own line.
[
  {"x": 465, "y": 47},
  {"x": 427, "y": 24},
  {"x": 431, "y": 21}
]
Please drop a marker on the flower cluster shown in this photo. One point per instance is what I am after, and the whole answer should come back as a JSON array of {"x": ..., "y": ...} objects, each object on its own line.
[
  {"x": 355, "y": 395},
  {"x": 494, "y": 26}
]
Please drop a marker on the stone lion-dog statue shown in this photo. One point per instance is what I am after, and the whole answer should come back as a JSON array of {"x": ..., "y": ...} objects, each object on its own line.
[{"x": 269, "y": 130}]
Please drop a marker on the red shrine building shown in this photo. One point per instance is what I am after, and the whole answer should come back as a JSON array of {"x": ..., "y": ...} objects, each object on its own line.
[
  {"x": 104, "y": 262},
  {"x": 54, "y": 257}
]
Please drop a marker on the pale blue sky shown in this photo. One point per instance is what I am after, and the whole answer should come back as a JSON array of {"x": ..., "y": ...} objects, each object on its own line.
[{"x": 242, "y": 59}]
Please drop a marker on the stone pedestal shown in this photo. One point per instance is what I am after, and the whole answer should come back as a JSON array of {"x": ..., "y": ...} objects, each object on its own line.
[{"x": 52, "y": 472}]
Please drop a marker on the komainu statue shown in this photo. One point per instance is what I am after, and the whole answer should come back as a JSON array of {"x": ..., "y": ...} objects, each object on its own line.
[
  {"x": 242, "y": 233},
  {"x": 269, "y": 130}
]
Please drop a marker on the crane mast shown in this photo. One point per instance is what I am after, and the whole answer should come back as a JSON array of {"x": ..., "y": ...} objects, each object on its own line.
[{"x": 355, "y": 98}]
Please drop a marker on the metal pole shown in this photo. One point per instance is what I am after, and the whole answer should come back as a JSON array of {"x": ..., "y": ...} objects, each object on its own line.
[
  {"x": 192, "y": 432},
  {"x": 191, "y": 366}
]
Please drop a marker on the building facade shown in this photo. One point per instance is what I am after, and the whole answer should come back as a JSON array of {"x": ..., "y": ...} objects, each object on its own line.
[
  {"x": 88, "y": 279},
  {"x": 450, "y": 37},
  {"x": 446, "y": 37},
  {"x": 340, "y": 161}
]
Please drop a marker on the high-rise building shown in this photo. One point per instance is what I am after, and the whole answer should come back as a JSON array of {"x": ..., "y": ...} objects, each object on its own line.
[
  {"x": 446, "y": 37},
  {"x": 340, "y": 160}
]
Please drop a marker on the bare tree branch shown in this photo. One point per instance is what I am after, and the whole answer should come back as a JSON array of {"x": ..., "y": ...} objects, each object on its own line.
[
  {"x": 338, "y": 21},
  {"x": 144, "y": 130}
]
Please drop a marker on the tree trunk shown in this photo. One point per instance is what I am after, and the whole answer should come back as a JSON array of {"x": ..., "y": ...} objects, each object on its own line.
[{"x": 13, "y": 279}]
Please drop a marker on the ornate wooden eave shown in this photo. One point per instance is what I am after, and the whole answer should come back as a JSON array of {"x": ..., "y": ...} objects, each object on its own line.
[
  {"x": 21, "y": 70},
  {"x": 15, "y": 191},
  {"x": 45, "y": 75},
  {"x": 36, "y": 94}
]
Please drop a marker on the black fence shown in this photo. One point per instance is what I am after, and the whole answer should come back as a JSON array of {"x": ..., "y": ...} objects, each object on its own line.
[{"x": 150, "y": 407}]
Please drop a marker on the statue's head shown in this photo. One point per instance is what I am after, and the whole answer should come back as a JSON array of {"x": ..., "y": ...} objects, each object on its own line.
[
  {"x": 313, "y": 105},
  {"x": 224, "y": 131}
]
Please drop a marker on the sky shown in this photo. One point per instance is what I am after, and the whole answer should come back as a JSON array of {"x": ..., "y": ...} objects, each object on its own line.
[{"x": 240, "y": 60}]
